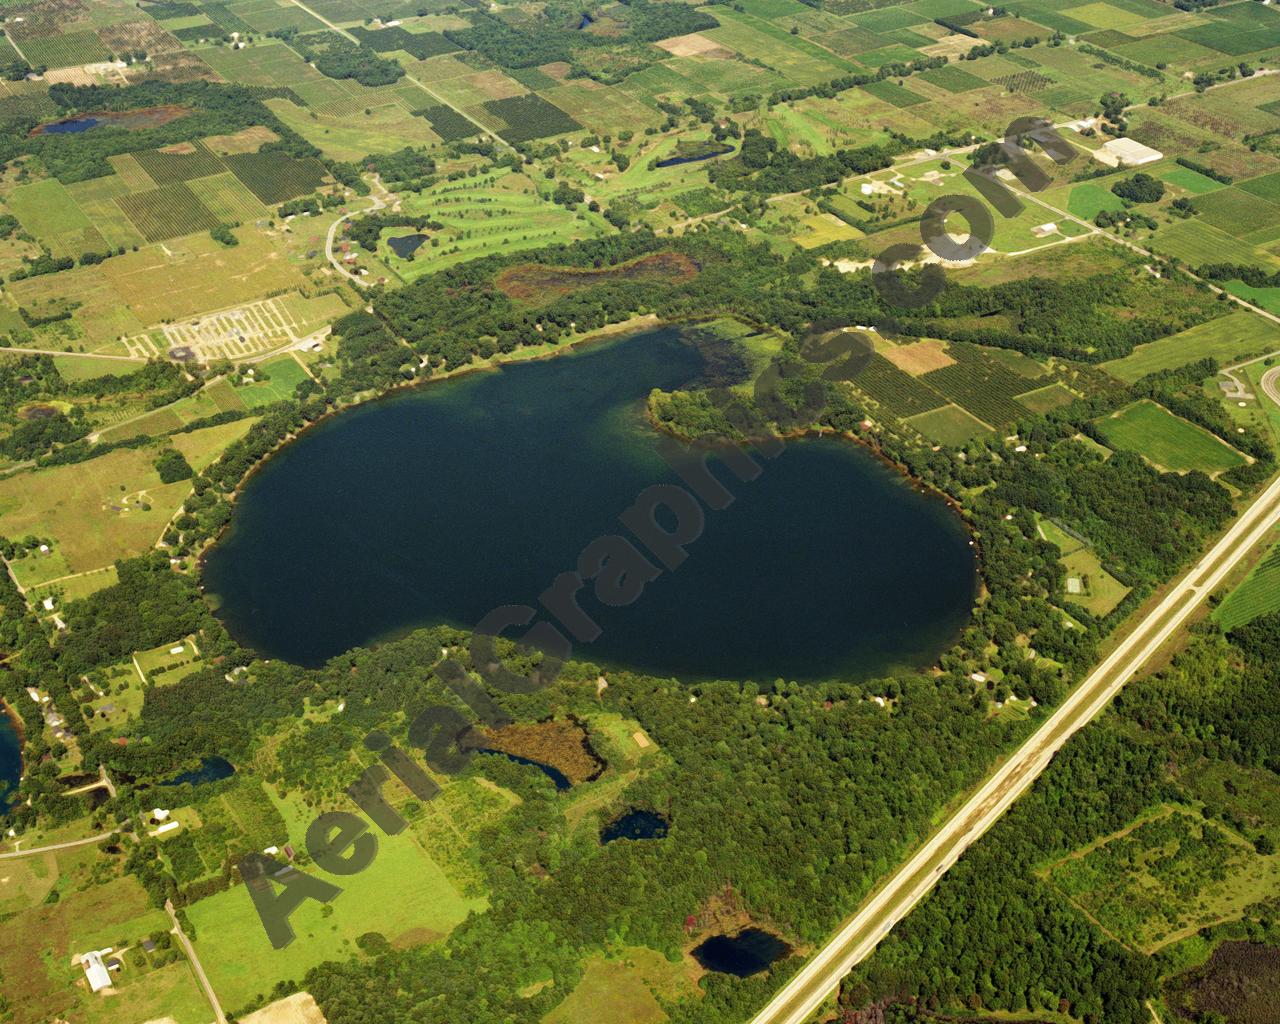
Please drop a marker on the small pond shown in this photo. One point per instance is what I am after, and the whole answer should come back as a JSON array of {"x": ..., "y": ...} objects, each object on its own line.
[
  {"x": 71, "y": 125},
  {"x": 635, "y": 824},
  {"x": 211, "y": 769},
  {"x": 693, "y": 158},
  {"x": 749, "y": 952},
  {"x": 405, "y": 246},
  {"x": 554, "y": 774}
]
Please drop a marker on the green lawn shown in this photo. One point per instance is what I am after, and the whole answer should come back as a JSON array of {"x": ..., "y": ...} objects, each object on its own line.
[
  {"x": 1167, "y": 441},
  {"x": 1087, "y": 201},
  {"x": 1234, "y": 336},
  {"x": 282, "y": 375}
]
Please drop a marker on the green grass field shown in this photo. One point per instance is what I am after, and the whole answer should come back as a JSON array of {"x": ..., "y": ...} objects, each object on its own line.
[
  {"x": 403, "y": 894},
  {"x": 1234, "y": 336},
  {"x": 949, "y": 425},
  {"x": 1166, "y": 441},
  {"x": 1087, "y": 201}
]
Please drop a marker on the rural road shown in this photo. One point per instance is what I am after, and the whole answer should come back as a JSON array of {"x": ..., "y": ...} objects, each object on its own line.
[
  {"x": 196, "y": 966},
  {"x": 1268, "y": 384},
  {"x": 484, "y": 133},
  {"x": 60, "y": 846},
  {"x": 821, "y": 976},
  {"x": 379, "y": 203}
]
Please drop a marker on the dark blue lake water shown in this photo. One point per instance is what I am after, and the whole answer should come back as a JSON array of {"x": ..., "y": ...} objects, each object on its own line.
[
  {"x": 10, "y": 760},
  {"x": 636, "y": 824},
  {"x": 443, "y": 503},
  {"x": 554, "y": 774},
  {"x": 75, "y": 124},
  {"x": 405, "y": 246},
  {"x": 749, "y": 952},
  {"x": 211, "y": 769}
]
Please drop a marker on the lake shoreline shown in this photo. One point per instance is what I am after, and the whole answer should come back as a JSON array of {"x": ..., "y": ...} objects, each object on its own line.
[
  {"x": 213, "y": 583},
  {"x": 19, "y": 727},
  {"x": 643, "y": 322}
]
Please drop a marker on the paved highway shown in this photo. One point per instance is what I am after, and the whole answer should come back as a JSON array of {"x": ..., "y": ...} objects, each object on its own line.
[{"x": 820, "y": 977}]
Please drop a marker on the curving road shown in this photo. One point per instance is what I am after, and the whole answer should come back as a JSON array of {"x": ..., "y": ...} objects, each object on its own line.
[
  {"x": 821, "y": 976},
  {"x": 61, "y": 846},
  {"x": 1269, "y": 386}
]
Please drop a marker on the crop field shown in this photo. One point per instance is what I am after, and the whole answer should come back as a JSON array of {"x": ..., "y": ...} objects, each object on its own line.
[
  {"x": 274, "y": 178},
  {"x": 48, "y": 210},
  {"x": 1190, "y": 240},
  {"x": 1267, "y": 187},
  {"x": 1258, "y": 594},
  {"x": 1166, "y": 441},
  {"x": 1237, "y": 212},
  {"x": 952, "y": 78},
  {"x": 1234, "y": 336},
  {"x": 1167, "y": 877},
  {"x": 384, "y": 128},
  {"x": 1238, "y": 29},
  {"x": 402, "y": 893},
  {"x": 602, "y": 108},
  {"x": 417, "y": 44},
  {"x": 898, "y": 392},
  {"x": 227, "y": 198},
  {"x": 178, "y": 163},
  {"x": 1189, "y": 181},
  {"x": 892, "y": 92},
  {"x": 167, "y": 212},
  {"x": 530, "y": 117},
  {"x": 66, "y": 50},
  {"x": 448, "y": 123},
  {"x": 1048, "y": 398}
]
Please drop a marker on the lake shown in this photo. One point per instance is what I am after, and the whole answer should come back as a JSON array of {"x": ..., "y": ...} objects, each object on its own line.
[
  {"x": 443, "y": 502},
  {"x": 10, "y": 759}
]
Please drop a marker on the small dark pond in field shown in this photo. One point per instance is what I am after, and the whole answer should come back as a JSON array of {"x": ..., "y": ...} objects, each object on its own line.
[{"x": 405, "y": 246}]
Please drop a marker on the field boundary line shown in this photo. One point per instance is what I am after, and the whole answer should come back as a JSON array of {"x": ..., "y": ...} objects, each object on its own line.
[{"x": 489, "y": 132}]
